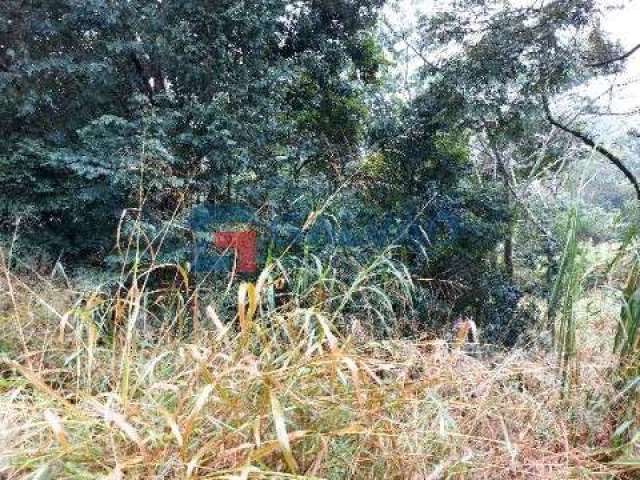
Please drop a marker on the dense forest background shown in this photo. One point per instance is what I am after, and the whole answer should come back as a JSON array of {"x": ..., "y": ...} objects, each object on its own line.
[
  {"x": 462, "y": 134},
  {"x": 445, "y": 199}
]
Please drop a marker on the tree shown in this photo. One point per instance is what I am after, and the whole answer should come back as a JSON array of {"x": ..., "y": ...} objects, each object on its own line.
[
  {"x": 192, "y": 97},
  {"x": 501, "y": 64}
]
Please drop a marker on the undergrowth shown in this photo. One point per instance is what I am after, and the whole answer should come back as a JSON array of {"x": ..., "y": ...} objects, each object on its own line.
[{"x": 100, "y": 385}]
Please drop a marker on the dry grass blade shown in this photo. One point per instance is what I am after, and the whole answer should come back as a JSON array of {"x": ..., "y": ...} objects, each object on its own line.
[
  {"x": 56, "y": 426},
  {"x": 281, "y": 431},
  {"x": 37, "y": 382},
  {"x": 247, "y": 294},
  {"x": 112, "y": 417}
]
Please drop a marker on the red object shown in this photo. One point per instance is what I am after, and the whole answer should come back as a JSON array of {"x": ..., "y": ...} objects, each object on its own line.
[{"x": 244, "y": 245}]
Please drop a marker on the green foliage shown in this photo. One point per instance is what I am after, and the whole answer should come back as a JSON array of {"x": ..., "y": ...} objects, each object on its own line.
[
  {"x": 276, "y": 106},
  {"x": 452, "y": 223},
  {"x": 627, "y": 339},
  {"x": 190, "y": 98},
  {"x": 565, "y": 294},
  {"x": 497, "y": 72}
]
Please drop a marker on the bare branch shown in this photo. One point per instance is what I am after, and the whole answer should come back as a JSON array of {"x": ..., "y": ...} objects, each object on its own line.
[
  {"x": 493, "y": 151},
  {"x": 615, "y": 59},
  {"x": 411, "y": 46},
  {"x": 597, "y": 147}
]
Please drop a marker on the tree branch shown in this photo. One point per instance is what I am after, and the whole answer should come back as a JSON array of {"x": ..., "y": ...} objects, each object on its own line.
[
  {"x": 493, "y": 151},
  {"x": 597, "y": 147},
  {"x": 615, "y": 59},
  {"x": 410, "y": 45}
]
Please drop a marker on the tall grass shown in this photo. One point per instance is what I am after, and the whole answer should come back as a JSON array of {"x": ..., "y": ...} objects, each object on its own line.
[
  {"x": 627, "y": 340},
  {"x": 266, "y": 391},
  {"x": 224, "y": 380},
  {"x": 561, "y": 311},
  {"x": 627, "y": 349}
]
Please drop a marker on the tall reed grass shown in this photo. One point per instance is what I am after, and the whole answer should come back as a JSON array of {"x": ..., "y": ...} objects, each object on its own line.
[
  {"x": 223, "y": 380},
  {"x": 266, "y": 391},
  {"x": 561, "y": 311}
]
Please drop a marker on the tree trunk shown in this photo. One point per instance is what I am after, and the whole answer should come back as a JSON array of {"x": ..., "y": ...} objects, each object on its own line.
[{"x": 508, "y": 252}]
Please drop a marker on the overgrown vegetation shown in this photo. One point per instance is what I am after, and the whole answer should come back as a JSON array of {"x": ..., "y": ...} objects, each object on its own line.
[
  {"x": 446, "y": 209},
  {"x": 261, "y": 389}
]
